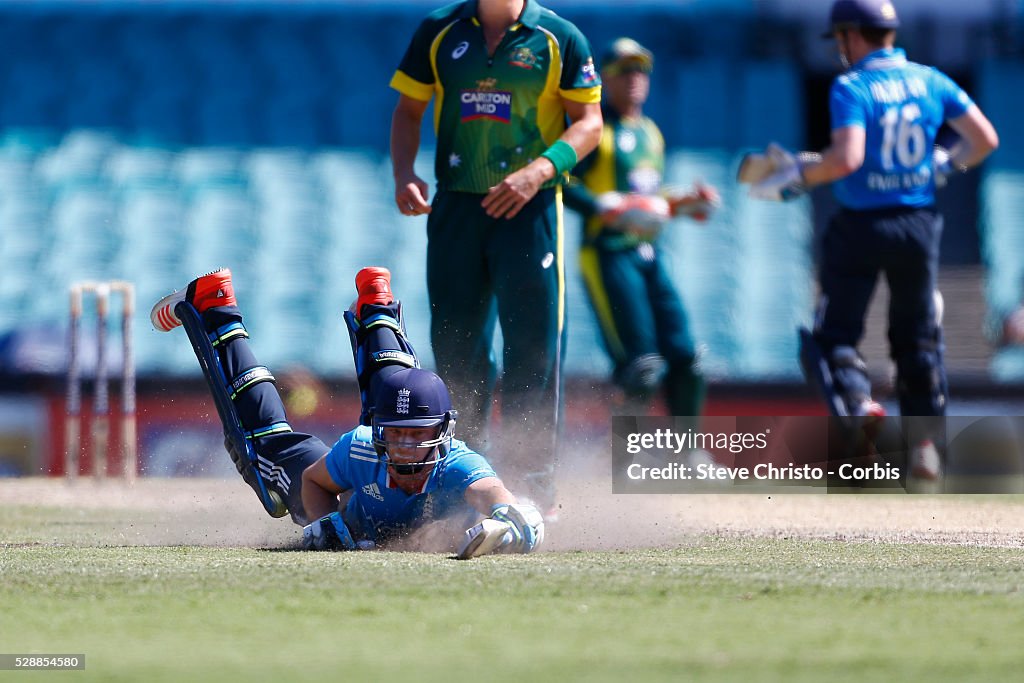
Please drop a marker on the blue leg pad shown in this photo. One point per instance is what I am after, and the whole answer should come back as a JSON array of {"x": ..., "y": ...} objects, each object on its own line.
[
  {"x": 240, "y": 448},
  {"x": 818, "y": 374}
]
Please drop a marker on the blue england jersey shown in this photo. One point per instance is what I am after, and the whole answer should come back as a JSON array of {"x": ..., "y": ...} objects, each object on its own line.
[
  {"x": 900, "y": 105},
  {"x": 377, "y": 508}
]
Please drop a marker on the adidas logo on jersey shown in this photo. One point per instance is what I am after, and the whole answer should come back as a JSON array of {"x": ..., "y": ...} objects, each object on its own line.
[{"x": 373, "y": 491}]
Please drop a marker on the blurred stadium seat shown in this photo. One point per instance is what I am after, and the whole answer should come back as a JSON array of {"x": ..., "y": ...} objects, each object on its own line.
[
  {"x": 1002, "y": 201},
  {"x": 295, "y": 226},
  {"x": 772, "y": 105},
  {"x": 158, "y": 142}
]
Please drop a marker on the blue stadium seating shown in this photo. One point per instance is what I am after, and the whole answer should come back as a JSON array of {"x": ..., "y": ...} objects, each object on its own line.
[
  {"x": 296, "y": 225},
  {"x": 1002, "y": 200},
  {"x": 154, "y": 143},
  {"x": 772, "y": 105}
]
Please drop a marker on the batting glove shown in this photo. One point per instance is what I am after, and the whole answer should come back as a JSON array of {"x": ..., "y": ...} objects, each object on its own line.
[
  {"x": 943, "y": 166},
  {"x": 787, "y": 182},
  {"x": 526, "y": 525},
  {"x": 327, "y": 533}
]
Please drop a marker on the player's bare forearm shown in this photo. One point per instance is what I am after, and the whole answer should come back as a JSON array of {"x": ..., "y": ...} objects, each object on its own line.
[
  {"x": 405, "y": 133},
  {"x": 844, "y": 156},
  {"x": 978, "y": 139},
  {"x": 484, "y": 494},
  {"x": 318, "y": 502},
  {"x": 404, "y": 146},
  {"x": 699, "y": 195},
  {"x": 411, "y": 193},
  {"x": 319, "y": 492}
]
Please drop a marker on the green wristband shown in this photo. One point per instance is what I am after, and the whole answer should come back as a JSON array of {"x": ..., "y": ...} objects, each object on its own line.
[{"x": 562, "y": 156}]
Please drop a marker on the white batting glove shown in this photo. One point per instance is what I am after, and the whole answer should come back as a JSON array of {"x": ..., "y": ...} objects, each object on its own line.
[
  {"x": 943, "y": 166},
  {"x": 327, "y": 533},
  {"x": 526, "y": 525},
  {"x": 785, "y": 183}
]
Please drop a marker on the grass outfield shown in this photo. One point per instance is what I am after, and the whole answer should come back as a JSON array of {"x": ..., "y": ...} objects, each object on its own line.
[{"x": 712, "y": 608}]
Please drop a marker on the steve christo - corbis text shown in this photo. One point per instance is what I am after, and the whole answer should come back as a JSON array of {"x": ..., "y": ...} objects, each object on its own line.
[
  {"x": 666, "y": 444},
  {"x": 762, "y": 472}
]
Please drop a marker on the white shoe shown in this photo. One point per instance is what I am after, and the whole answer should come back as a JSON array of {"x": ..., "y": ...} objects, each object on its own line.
[
  {"x": 869, "y": 408},
  {"x": 925, "y": 463},
  {"x": 212, "y": 289}
]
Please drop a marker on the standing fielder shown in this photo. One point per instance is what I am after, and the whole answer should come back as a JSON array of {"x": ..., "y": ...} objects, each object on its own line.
[
  {"x": 619, "y": 193},
  {"x": 506, "y": 74},
  {"x": 885, "y": 112},
  {"x": 402, "y": 467}
]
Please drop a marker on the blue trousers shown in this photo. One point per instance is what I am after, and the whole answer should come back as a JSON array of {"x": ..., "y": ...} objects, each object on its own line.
[{"x": 903, "y": 245}]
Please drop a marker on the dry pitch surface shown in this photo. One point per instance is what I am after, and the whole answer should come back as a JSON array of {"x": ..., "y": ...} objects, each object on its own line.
[{"x": 226, "y": 513}]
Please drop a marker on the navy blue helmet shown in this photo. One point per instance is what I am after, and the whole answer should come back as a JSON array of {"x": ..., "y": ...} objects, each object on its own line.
[
  {"x": 861, "y": 14},
  {"x": 411, "y": 398}
]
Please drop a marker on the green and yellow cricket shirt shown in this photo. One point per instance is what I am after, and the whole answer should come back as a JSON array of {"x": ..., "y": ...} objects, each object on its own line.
[
  {"x": 629, "y": 158},
  {"x": 494, "y": 114}
]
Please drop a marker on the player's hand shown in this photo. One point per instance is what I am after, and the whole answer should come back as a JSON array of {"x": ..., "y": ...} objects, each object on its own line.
[
  {"x": 777, "y": 175},
  {"x": 327, "y": 533},
  {"x": 507, "y": 198},
  {"x": 526, "y": 525},
  {"x": 785, "y": 184},
  {"x": 698, "y": 204},
  {"x": 411, "y": 195},
  {"x": 943, "y": 166}
]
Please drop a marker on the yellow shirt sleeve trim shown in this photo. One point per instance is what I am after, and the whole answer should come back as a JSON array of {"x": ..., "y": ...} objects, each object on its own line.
[
  {"x": 584, "y": 95},
  {"x": 411, "y": 87}
]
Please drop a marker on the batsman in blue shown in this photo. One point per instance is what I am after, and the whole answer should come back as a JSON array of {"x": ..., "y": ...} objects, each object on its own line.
[
  {"x": 884, "y": 168},
  {"x": 399, "y": 470}
]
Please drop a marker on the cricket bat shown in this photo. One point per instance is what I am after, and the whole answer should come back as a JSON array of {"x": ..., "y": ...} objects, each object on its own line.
[{"x": 486, "y": 537}]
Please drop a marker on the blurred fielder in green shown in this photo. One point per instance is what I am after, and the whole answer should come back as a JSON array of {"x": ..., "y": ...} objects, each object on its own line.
[{"x": 619, "y": 192}]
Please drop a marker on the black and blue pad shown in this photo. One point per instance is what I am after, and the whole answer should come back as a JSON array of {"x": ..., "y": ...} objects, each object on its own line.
[
  {"x": 379, "y": 346},
  {"x": 818, "y": 373},
  {"x": 224, "y": 391}
]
